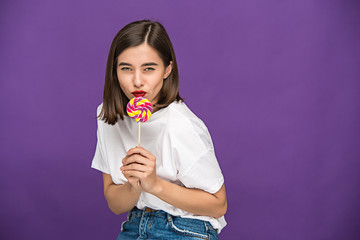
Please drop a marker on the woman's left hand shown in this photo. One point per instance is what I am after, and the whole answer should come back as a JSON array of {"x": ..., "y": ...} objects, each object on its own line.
[{"x": 141, "y": 164}]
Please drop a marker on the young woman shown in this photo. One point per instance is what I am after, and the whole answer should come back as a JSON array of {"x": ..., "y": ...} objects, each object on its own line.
[{"x": 172, "y": 186}]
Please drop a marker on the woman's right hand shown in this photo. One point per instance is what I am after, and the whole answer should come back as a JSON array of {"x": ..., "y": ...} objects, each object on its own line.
[
  {"x": 134, "y": 182},
  {"x": 141, "y": 164}
]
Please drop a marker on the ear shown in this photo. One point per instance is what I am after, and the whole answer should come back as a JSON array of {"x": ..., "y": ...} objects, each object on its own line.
[{"x": 168, "y": 70}]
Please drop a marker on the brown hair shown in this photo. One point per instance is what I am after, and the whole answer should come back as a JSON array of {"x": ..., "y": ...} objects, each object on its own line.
[{"x": 134, "y": 34}]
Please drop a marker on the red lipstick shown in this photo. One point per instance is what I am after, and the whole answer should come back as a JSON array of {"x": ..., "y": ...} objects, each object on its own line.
[{"x": 139, "y": 93}]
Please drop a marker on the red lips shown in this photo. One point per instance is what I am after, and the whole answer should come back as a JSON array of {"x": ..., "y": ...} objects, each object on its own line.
[{"x": 139, "y": 93}]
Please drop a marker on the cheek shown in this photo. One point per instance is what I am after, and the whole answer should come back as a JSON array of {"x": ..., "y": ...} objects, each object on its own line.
[
  {"x": 160, "y": 80},
  {"x": 159, "y": 85},
  {"x": 122, "y": 81},
  {"x": 123, "y": 85}
]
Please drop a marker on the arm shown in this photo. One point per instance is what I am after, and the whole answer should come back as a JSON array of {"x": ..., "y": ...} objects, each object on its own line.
[
  {"x": 141, "y": 164},
  {"x": 193, "y": 200},
  {"x": 120, "y": 198}
]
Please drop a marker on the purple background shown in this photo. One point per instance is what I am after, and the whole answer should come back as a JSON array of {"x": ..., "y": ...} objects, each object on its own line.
[{"x": 276, "y": 82}]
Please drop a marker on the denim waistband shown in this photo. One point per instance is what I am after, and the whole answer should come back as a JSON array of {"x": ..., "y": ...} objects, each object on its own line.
[
  {"x": 142, "y": 223},
  {"x": 135, "y": 212}
]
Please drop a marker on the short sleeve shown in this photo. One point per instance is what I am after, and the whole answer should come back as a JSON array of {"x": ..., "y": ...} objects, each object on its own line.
[
  {"x": 99, "y": 162},
  {"x": 195, "y": 158}
]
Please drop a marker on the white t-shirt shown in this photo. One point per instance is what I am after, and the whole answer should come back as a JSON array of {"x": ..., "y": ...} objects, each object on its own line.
[{"x": 183, "y": 149}]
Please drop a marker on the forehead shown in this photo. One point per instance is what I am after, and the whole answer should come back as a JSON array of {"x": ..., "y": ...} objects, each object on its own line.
[{"x": 139, "y": 54}]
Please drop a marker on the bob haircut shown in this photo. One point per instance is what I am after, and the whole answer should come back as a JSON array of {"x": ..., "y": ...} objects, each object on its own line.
[{"x": 135, "y": 34}]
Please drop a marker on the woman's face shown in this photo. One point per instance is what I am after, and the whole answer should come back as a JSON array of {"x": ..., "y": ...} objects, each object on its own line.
[{"x": 141, "y": 72}]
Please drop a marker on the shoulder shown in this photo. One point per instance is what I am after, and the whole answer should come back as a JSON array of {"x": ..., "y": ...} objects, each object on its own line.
[
  {"x": 99, "y": 108},
  {"x": 179, "y": 113},
  {"x": 182, "y": 122},
  {"x": 100, "y": 121}
]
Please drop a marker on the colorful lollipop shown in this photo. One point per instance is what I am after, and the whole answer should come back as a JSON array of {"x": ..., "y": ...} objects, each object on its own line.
[{"x": 140, "y": 109}]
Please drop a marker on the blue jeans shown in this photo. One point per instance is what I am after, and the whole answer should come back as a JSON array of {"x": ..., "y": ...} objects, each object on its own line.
[{"x": 152, "y": 224}]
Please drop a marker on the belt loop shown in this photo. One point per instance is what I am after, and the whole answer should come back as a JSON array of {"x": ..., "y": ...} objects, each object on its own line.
[
  {"x": 206, "y": 226},
  {"x": 169, "y": 217}
]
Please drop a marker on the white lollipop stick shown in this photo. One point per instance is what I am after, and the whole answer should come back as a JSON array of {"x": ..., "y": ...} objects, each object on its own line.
[{"x": 139, "y": 134}]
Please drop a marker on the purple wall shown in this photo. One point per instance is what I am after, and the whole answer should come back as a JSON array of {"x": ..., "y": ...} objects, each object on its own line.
[{"x": 276, "y": 82}]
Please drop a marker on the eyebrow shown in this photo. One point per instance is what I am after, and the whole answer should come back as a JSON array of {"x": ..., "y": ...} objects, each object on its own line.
[
  {"x": 143, "y": 65},
  {"x": 124, "y": 64},
  {"x": 149, "y": 64}
]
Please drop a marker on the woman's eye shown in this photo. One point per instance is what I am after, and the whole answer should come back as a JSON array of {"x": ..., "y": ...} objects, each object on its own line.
[
  {"x": 125, "y": 69},
  {"x": 149, "y": 69}
]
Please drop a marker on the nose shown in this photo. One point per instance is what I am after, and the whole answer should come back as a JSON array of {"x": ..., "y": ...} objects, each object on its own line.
[{"x": 137, "y": 79}]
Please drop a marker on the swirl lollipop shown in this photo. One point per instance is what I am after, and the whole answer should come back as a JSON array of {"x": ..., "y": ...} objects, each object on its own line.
[{"x": 140, "y": 109}]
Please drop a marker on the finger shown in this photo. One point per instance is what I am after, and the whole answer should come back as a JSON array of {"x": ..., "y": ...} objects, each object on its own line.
[
  {"x": 135, "y": 174},
  {"x": 129, "y": 177},
  {"x": 135, "y": 167},
  {"x": 140, "y": 150},
  {"x": 136, "y": 158},
  {"x": 125, "y": 158},
  {"x": 134, "y": 181}
]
